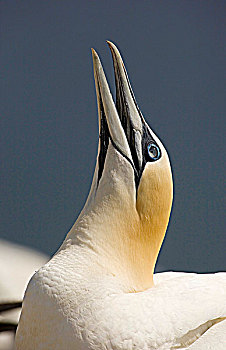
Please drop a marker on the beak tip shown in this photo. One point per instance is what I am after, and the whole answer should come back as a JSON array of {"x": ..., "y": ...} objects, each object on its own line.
[
  {"x": 96, "y": 60},
  {"x": 110, "y": 44},
  {"x": 94, "y": 52},
  {"x": 115, "y": 52}
]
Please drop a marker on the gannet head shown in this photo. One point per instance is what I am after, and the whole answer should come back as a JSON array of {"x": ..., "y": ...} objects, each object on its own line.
[{"x": 127, "y": 211}]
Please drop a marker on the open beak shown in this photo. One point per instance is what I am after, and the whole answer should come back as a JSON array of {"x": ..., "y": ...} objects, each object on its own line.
[
  {"x": 110, "y": 127},
  {"x": 122, "y": 123}
]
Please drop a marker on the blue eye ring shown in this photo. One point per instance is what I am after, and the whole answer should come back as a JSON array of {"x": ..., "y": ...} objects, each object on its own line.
[{"x": 153, "y": 151}]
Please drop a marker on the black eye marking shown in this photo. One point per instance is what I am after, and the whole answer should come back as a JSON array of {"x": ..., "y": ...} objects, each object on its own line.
[
  {"x": 150, "y": 150},
  {"x": 153, "y": 151}
]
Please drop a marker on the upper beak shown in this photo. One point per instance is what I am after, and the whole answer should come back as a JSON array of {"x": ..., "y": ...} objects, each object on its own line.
[
  {"x": 122, "y": 123},
  {"x": 128, "y": 110}
]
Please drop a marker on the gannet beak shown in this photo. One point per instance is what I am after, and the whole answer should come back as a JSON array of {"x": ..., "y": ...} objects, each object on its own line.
[
  {"x": 138, "y": 133},
  {"x": 122, "y": 123},
  {"x": 110, "y": 126},
  {"x": 128, "y": 110}
]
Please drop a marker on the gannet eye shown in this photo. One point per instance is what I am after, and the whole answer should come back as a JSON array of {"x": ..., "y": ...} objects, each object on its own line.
[{"x": 153, "y": 151}]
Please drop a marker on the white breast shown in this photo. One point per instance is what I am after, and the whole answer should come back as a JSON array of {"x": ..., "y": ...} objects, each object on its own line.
[{"x": 80, "y": 308}]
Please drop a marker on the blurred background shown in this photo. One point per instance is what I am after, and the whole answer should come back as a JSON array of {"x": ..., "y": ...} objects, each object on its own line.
[{"x": 174, "y": 52}]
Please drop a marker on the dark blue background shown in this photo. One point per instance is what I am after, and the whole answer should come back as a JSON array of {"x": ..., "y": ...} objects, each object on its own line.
[{"x": 174, "y": 52}]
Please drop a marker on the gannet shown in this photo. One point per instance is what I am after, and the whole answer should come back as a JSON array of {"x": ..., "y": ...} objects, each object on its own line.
[{"x": 99, "y": 291}]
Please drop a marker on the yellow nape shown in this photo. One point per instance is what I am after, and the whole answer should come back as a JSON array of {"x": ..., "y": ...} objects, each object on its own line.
[
  {"x": 129, "y": 233},
  {"x": 154, "y": 202}
]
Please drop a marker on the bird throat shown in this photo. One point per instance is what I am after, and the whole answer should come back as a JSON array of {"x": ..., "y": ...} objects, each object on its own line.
[
  {"x": 126, "y": 232},
  {"x": 140, "y": 232}
]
